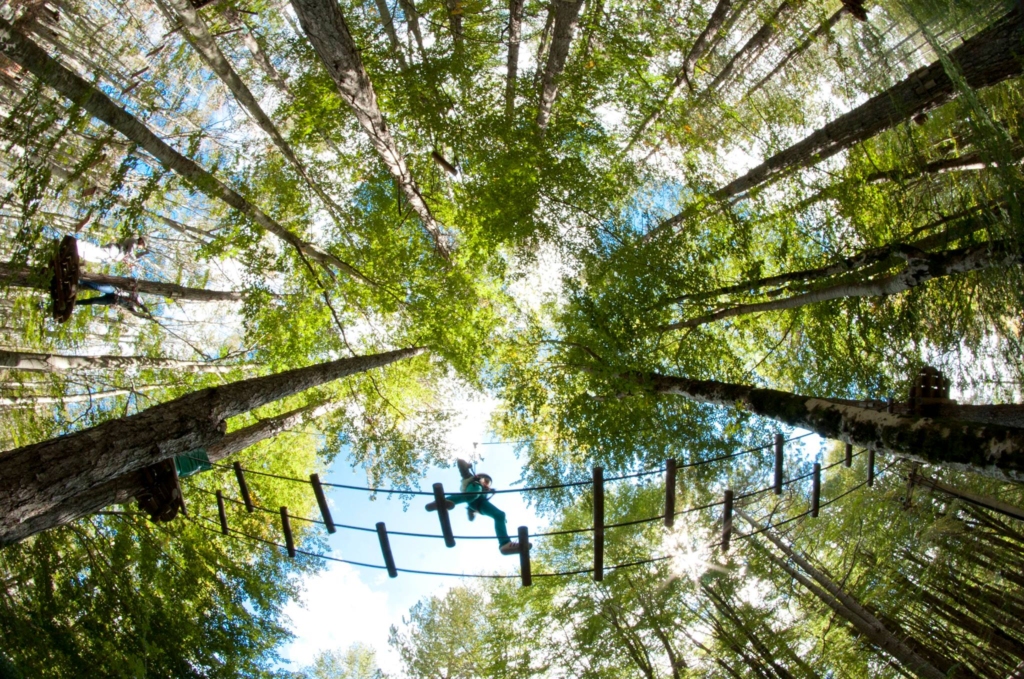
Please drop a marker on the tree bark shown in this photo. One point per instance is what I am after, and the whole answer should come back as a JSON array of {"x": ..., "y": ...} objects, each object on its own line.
[
  {"x": 566, "y": 13},
  {"x": 24, "y": 277},
  {"x": 234, "y": 19},
  {"x": 36, "y": 401},
  {"x": 989, "y": 449},
  {"x": 985, "y": 501},
  {"x": 757, "y": 43},
  {"x": 47, "y": 478},
  {"x": 123, "y": 488},
  {"x": 703, "y": 41},
  {"x": 389, "y": 29},
  {"x": 969, "y": 223},
  {"x": 823, "y": 29},
  {"x": 698, "y": 50},
  {"x": 413, "y": 21},
  {"x": 325, "y": 26},
  {"x": 515, "y": 28},
  {"x": 847, "y": 607},
  {"x": 35, "y": 362},
  {"x": 921, "y": 267},
  {"x": 181, "y": 13},
  {"x": 30, "y": 56},
  {"x": 985, "y": 59}
]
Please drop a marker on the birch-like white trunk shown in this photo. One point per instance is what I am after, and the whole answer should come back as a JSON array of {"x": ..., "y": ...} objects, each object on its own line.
[
  {"x": 51, "y": 363},
  {"x": 921, "y": 267},
  {"x": 33, "y": 58},
  {"x": 327, "y": 30},
  {"x": 846, "y": 606}
]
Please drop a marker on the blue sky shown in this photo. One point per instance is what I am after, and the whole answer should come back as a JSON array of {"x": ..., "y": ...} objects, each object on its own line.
[{"x": 346, "y": 604}]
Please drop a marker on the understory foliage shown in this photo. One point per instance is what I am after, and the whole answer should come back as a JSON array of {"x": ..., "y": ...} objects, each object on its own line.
[{"x": 569, "y": 255}]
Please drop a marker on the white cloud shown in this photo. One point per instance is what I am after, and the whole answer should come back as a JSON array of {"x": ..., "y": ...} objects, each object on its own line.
[{"x": 336, "y": 610}]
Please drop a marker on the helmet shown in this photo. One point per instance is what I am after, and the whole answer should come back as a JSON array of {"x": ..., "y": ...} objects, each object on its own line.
[{"x": 477, "y": 477}]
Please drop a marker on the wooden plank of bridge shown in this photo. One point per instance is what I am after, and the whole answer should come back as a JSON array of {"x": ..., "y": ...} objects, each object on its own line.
[
  {"x": 598, "y": 524},
  {"x": 670, "y": 492},
  {"x": 321, "y": 500},
  {"x": 243, "y": 487},
  {"x": 385, "y": 549},
  {"x": 442, "y": 515}
]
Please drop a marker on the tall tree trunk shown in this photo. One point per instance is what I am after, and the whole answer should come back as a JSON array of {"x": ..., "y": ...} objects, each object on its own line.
[
  {"x": 920, "y": 268},
  {"x": 234, "y": 19},
  {"x": 23, "y": 51},
  {"x": 37, "y": 401},
  {"x": 986, "y": 59},
  {"x": 47, "y": 477},
  {"x": 703, "y": 41},
  {"x": 823, "y": 29},
  {"x": 181, "y": 13},
  {"x": 728, "y": 611},
  {"x": 24, "y": 277},
  {"x": 566, "y": 15},
  {"x": 989, "y": 449},
  {"x": 325, "y": 26},
  {"x": 994, "y": 504},
  {"x": 388, "y": 22},
  {"x": 123, "y": 488},
  {"x": 757, "y": 43},
  {"x": 846, "y": 606},
  {"x": 515, "y": 28},
  {"x": 413, "y": 21},
  {"x": 866, "y": 260},
  {"x": 35, "y": 362},
  {"x": 698, "y": 50},
  {"x": 454, "y": 8}
]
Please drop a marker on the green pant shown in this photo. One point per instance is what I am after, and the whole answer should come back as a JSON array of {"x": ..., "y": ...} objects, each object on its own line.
[{"x": 481, "y": 504}]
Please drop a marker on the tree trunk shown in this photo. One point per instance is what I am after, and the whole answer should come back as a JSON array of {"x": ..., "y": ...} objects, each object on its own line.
[
  {"x": 454, "y": 8},
  {"x": 989, "y": 449},
  {"x": 24, "y": 277},
  {"x": 29, "y": 55},
  {"x": 387, "y": 21},
  {"x": 34, "y": 362},
  {"x": 234, "y": 19},
  {"x": 515, "y": 27},
  {"x": 324, "y": 25},
  {"x": 123, "y": 488},
  {"x": 969, "y": 223},
  {"x": 986, "y": 59},
  {"x": 756, "y": 44},
  {"x": 847, "y": 607},
  {"x": 921, "y": 267},
  {"x": 698, "y": 50},
  {"x": 985, "y": 501},
  {"x": 703, "y": 42},
  {"x": 36, "y": 401},
  {"x": 729, "y": 612},
  {"x": 47, "y": 477},
  {"x": 823, "y": 29},
  {"x": 566, "y": 13},
  {"x": 413, "y": 21},
  {"x": 181, "y": 12}
]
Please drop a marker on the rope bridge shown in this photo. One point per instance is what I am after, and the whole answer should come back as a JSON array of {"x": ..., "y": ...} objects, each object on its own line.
[{"x": 597, "y": 529}]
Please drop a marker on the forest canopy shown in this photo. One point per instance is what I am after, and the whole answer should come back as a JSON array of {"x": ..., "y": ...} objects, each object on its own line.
[{"x": 288, "y": 236}]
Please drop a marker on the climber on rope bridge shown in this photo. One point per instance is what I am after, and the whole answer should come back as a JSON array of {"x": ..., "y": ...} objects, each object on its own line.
[{"x": 476, "y": 488}]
